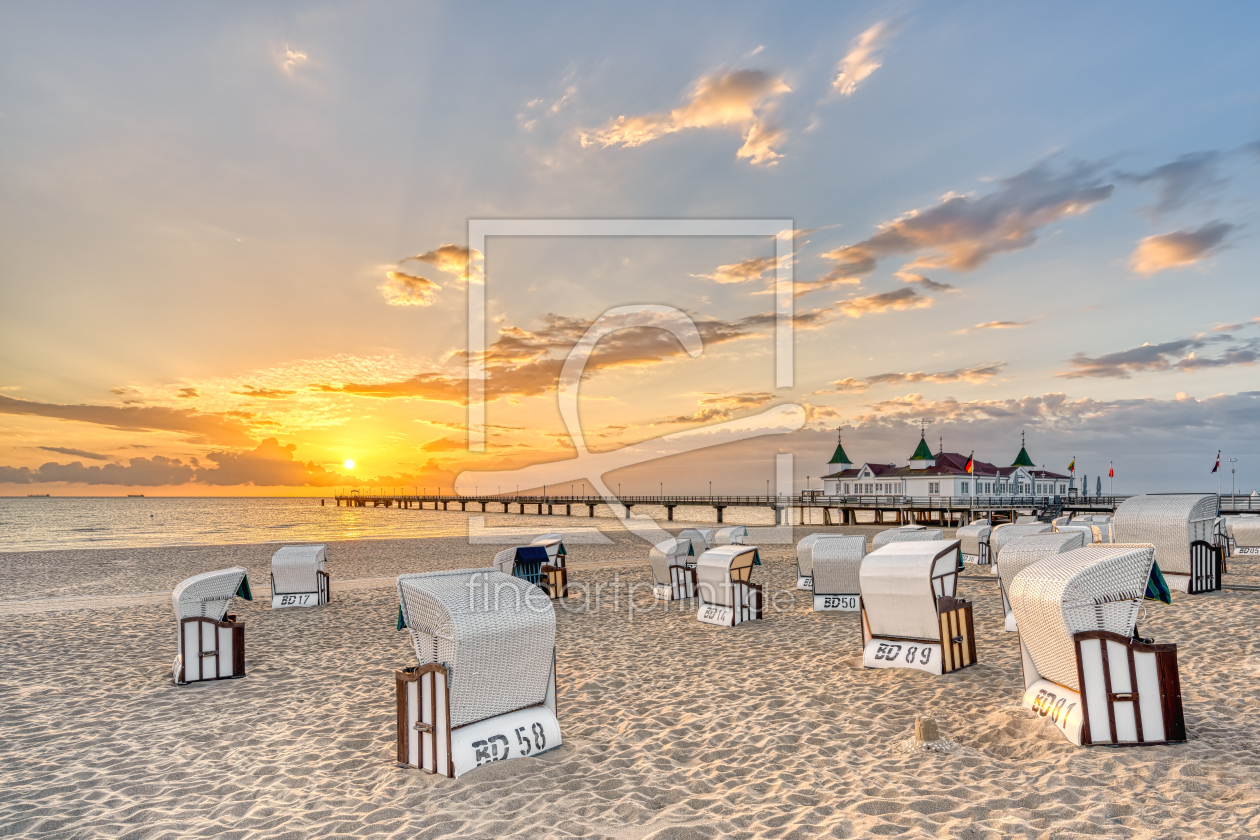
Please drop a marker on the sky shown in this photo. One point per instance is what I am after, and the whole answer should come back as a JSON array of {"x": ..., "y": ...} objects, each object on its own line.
[{"x": 234, "y": 241}]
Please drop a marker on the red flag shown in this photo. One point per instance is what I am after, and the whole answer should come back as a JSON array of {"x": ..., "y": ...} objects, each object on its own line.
[
  {"x": 1111, "y": 471},
  {"x": 1218, "y": 462}
]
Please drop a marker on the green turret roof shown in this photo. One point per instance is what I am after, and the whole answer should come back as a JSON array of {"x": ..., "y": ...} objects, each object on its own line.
[
  {"x": 1023, "y": 460},
  {"x": 922, "y": 453},
  {"x": 839, "y": 457}
]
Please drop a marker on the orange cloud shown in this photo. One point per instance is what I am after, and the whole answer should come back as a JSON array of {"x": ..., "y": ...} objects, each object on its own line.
[
  {"x": 1179, "y": 248},
  {"x": 899, "y": 300},
  {"x": 401, "y": 289}
]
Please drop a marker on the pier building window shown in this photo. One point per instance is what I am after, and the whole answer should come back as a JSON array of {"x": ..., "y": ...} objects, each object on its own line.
[
  {"x": 934, "y": 487},
  {"x": 965, "y": 485}
]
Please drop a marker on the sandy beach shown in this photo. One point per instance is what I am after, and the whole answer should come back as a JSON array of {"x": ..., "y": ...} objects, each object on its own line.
[{"x": 672, "y": 728}]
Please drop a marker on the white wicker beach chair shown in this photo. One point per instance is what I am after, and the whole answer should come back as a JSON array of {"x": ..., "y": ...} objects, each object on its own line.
[
  {"x": 907, "y": 533},
  {"x": 1180, "y": 526},
  {"x": 701, "y": 538},
  {"x": 974, "y": 541},
  {"x": 1026, "y": 520},
  {"x": 485, "y": 686},
  {"x": 1002, "y": 535},
  {"x": 724, "y": 581},
  {"x": 534, "y": 563},
  {"x": 298, "y": 578},
  {"x": 805, "y": 561},
  {"x": 1025, "y": 551},
  {"x": 209, "y": 642},
  {"x": 1244, "y": 531},
  {"x": 912, "y": 616},
  {"x": 554, "y": 543},
  {"x": 1083, "y": 668},
  {"x": 730, "y": 535},
  {"x": 836, "y": 561},
  {"x": 673, "y": 577}
]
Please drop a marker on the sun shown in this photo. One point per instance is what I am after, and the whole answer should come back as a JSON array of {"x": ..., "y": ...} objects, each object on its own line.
[{"x": 349, "y": 464}]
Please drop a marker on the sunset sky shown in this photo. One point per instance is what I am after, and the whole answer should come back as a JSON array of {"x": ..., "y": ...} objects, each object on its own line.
[{"x": 234, "y": 243}]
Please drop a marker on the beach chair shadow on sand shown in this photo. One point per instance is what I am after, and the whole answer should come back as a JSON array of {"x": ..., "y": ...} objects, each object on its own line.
[
  {"x": 912, "y": 616},
  {"x": 210, "y": 642},
  {"x": 485, "y": 687},
  {"x": 1083, "y": 667}
]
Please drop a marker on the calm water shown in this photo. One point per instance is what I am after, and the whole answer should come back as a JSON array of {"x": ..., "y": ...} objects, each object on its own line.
[{"x": 64, "y": 523}]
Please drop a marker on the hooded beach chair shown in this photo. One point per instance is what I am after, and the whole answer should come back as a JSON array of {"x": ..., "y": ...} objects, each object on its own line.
[
  {"x": 1003, "y": 535},
  {"x": 836, "y": 561},
  {"x": 973, "y": 539},
  {"x": 1083, "y": 667},
  {"x": 701, "y": 538},
  {"x": 209, "y": 642},
  {"x": 805, "y": 560},
  {"x": 907, "y": 533},
  {"x": 485, "y": 686},
  {"x": 533, "y": 563},
  {"x": 673, "y": 576},
  {"x": 724, "y": 582},
  {"x": 1180, "y": 526},
  {"x": 1025, "y": 551},
  {"x": 298, "y": 578},
  {"x": 1244, "y": 533},
  {"x": 730, "y": 535},
  {"x": 912, "y": 616},
  {"x": 554, "y": 543}
]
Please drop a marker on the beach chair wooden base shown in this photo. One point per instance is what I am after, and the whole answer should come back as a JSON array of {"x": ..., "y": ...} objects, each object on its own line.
[
  {"x": 556, "y": 581},
  {"x": 837, "y": 603},
  {"x": 748, "y": 606},
  {"x": 955, "y": 650},
  {"x": 301, "y": 599},
  {"x": 1130, "y": 693},
  {"x": 210, "y": 650},
  {"x": 427, "y": 741},
  {"x": 805, "y": 583},
  {"x": 682, "y": 585}
]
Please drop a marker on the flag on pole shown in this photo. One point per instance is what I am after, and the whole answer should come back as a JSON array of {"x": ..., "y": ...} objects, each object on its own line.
[
  {"x": 1218, "y": 462},
  {"x": 1072, "y": 466},
  {"x": 971, "y": 463},
  {"x": 1111, "y": 470}
]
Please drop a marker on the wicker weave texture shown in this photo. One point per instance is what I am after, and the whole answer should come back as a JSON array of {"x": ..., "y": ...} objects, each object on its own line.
[
  {"x": 208, "y": 594},
  {"x": 1246, "y": 531},
  {"x": 701, "y": 538},
  {"x": 1025, "y": 551},
  {"x": 494, "y": 633},
  {"x": 805, "y": 554},
  {"x": 671, "y": 552},
  {"x": 294, "y": 567},
  {"x": 730, "y": 535},
  {"x": 971, "y": 536},
  {"x": 1004, "y": 534},
  {"x": 906, "y": 535},
  {"x": 837, "y": 562},
  {"x": 1097, "y": 587},
  {"x": 1168, "y": 522},
  {"x": 896, "y": 587},
  {"x": 716, "y": 568}
]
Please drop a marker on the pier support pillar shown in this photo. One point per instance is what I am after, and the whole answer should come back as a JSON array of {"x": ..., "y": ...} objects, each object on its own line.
[
  {"x": 591, "y": 508},
  {"x": 550, "y": 511},
  {"x": 719, "y": 509},
  {"x": 568, "y": 510},
  {"x": 669, "y": 512}
]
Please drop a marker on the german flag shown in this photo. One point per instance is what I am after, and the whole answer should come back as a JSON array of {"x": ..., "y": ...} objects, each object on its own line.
[{"x": 971, "y": 463}]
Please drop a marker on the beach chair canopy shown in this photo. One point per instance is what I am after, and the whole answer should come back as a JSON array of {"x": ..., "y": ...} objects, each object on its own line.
[
  {"x": 1170, "y": 522},
  {"x": 730, "y": 535},
  {"x": 900, "y": 583},
  {"x": 506, "y": 559},
  {"x": 671, "y": 552},
  {"x": 701, "y": 537},
  {"x": 970, "y": 536},
  {"x": 294, "y": 568},
  {"x": 209, "y": 594},
  {"x": 910, "y": 533},
  {"x": 543, "y": 538},
  {"x": 1096, "y": 587},
  {"x": 1003, "y": 534},
  {"x": 719, "y": 566},
  {"x": 1025, "y": 551},
  {"x": 836, "y": 562},
  {"x": 1245, "y": 530},
  {"x": 553, "y": 545},
  {"x": 494, "y": 633},
  {"x": 805, "y": 554}
]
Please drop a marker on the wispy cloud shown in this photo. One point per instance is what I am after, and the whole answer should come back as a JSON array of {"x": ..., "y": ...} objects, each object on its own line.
[
  {"x": 264, "y": 393},
  {"x": 924, "y": 281},
  {"x": 961, "y": 233},
  {"x": 401, "y": 289},
  {"x": 188, "y": 394},
  {"x": 863, "y": 58},
  {"x": 745, "y": 271},
  {"x": 715, "y": 407},
  {"x": 973, "y": 375},
  {"x": 901, "y": 299},
  {"x": 1180, "y": 355},
  {"x": 203, "y": 428},
  {"x": 77, "y": 453},
  {"x": 1179, "y": 248},
  {"x": 739, "y": 99},
  {"x": 291, "y": 59},
  {"x": 450, "y": 259},
  {"x": 1178, "y": 183}
]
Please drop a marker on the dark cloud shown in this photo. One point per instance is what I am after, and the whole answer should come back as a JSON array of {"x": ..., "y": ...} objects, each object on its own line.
[
  {"x": 202, "y": 428},
  {"x": 924, "y": 281},
  {"x": 76, "y": 453},
  {"x": 961, "y": 232},
  {"x": 1178, "y": 183},
  {"x": 1169, "y": 355},
  {"x": 157, "y": 471},
  {"x": 1179, "y": 248},
  {"x": 188, "y": 393}
]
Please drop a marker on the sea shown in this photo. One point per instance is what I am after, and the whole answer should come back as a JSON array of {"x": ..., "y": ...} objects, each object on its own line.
[{"x": 64, "y": 522}]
